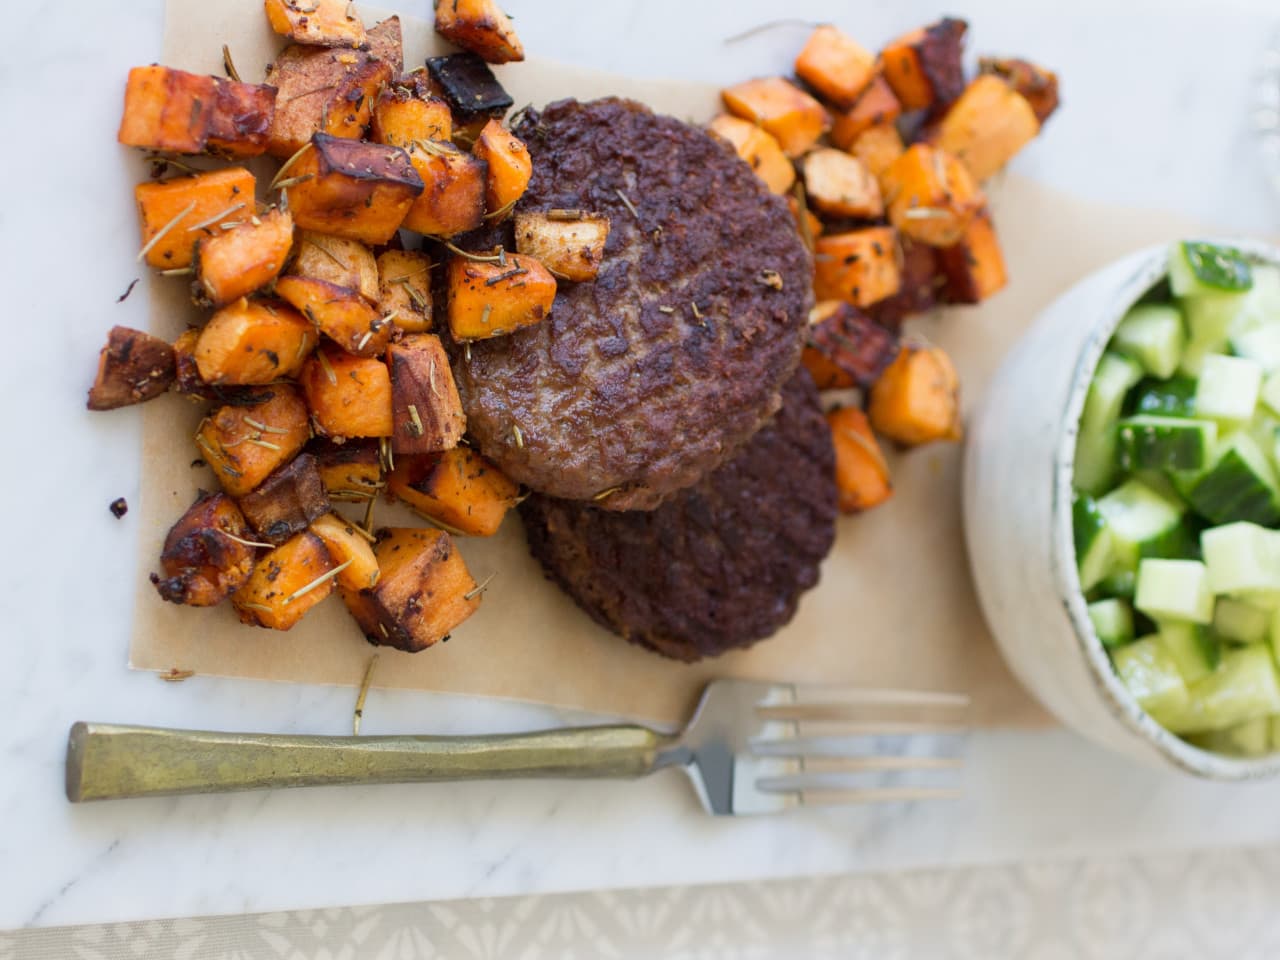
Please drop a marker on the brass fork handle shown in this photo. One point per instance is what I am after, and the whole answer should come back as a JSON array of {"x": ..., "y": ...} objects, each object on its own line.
[{"x": 106, "y": 761}]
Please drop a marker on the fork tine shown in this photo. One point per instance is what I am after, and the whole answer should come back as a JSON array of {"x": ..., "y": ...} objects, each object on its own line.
[
  {"x": 834, "y": 693},
  {"x": 840, "y": 798},
  {"x": 835, "y": 745},
  {"x": 847, "y": 715},
  {"x": 876, "y": 762}
]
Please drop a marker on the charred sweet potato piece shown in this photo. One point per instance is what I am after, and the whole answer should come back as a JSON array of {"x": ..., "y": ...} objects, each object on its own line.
[
  {"x": 167, "y": 110},
  {"x": 835, "y": 65},
  {"x": 474, "y": 94},
  {"x": 423, "y": 592},
  {"x": 244, "y": 442},
  {"x": 404, "y": 289},
  {"x": 322, "y": 91},
  {"x": 174, "y": 213},
  {"x": 932, "y": 197},
  {"x": 336, "y": 260},
  {"x": 878, "y": 147},
  {"x": 862, "y": 474},
  {"x": 253, "y": 342},
  {"x": 283, "y": 504},
  {"x": 321, "y": 23},
  {"x": 426, "y": 411},
  {"x": 921, "y": 287},
  {"x": 917, "y": 398},
  {"x": 401, "y": 117},
  {"x": 207, "y": 554},
  {"x": 457, "y": 488},
  {"x": 794, "y": 118},
  {"x": 386, "y": 43},
  {"x": 234, "y": 263},
  {"x": 569, "y": 243},
  {"x": 132, "y": 367},
  {"x": 508, "y": 166},
  {"x": 1038, "y": 85},
  {"x": 349, "y": 550},
  {"x": 876, "y": 105},
  {"x": 925, "y": 67},
  {"x": 974, "y": 267},
  {"x": 759, "y": 149},
  {"x": 360, "y": 191},
  {"x": 452, "y": 200},
  {"x": 240, "y": 125},
  {"x": 845, "y": 348},
  {"x": 188, "y": 382},
  {"x": 988, "y": 125},
  {"x": 349, "y": 396},
  {"x": 860, "y": 267},
  {"x": 341, "y": 314},
  {"x": 491, "y": 299},
  {"x": 481, "y": 27},
  {"x": 840, "y": 185},
  {"x": 350, "y": 470},
  {"x": 287, "y": 582}
]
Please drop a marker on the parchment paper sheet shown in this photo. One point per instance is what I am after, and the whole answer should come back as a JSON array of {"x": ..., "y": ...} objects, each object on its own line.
[{"x": 895, "y": 606}]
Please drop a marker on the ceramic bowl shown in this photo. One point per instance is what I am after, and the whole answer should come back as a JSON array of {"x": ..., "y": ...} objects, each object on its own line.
[{"x": 1017, "y": 503}]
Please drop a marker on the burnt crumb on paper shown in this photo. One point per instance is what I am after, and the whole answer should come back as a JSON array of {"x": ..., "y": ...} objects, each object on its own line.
[
  {"x": 128, "y": 290},
  {"x": 119, "y": 507}
]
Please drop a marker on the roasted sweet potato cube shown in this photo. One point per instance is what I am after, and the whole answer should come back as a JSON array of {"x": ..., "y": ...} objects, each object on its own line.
[
  {"x": 481, "y": 27},
  {"x": 508, "y": 166},
  {"x": 321, "y": 23},
  {"x": 426, "y": 411},
  {"x": 424, "y": 590},
  {"x": 474, "y": 94},
  {"x": 287, "y": 582},
  {"x": 336, "y": 260},
  {"x": 349, "y": 471},
  {"x": 207, "y": 554},
  {"x": 132, "y": 367},
  {"x": 925, "y": 67},
  {"x": 794, "y": 118},
  {"x": 569, "y": 243},
  {"x": 349, "y": 396},
  {"x": 1038, "y": 85},
  {"x": 878, "y": 147},
  {"x": 167, "y": 110},
  {"x": 253, "y": 342},
  {"x": 877, "y": 105},
  {"x": 835, "y": 65},
  {"x": 401, "y": 117},
  {"x": 917, "y": 398},
  {"x": 452, "y": 200},
  {"x": 807, "y": 223},
  {"x": 921, "y": 287},
  {"x": 234, "y": 263},
  {"x": 283, "y": 504},
  {"x": 188, "y": 382},
  {"x": 860, "y": 267},
  {"x": 360, "y": 191},
  {"x": 244, "y": 442},
  {"x": 171, "y": 212},
  {"x": 759, "y": 149},
  {"x": 322, "y": 91},
  {"x": 845, "y": 348},
  {"x": 240, "y": 125},
  {"x": 988, "y": 125},
  {"x": 492, "y": 299},
  {"x": 457, "y": 488},
  {"x": 974, "y": 267},
  {"x": 386, "y": 43},
  {"x": 341, "y": 314},
  {"x": 404, "y": 289},
  {"x": 862, "y": 473},
  {"x": 932, "y": 197},
  {"x": 349, "y": 550},
  {"x": 840, "y": 185}
]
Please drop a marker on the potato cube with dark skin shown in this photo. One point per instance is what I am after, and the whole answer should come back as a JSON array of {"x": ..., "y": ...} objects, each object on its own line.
[
  {"x": 348, "y": 471},
  {"x": 347, "y": 188},
  {"x": 132, "y": 367},
  {"x": 845, "y": 348},
  {"x": 453, "y": 195},
  {"x": 342, "y": 315},
  {"x": 921, "y": 286},
  {"x": 321, "y": 23},
  {"x": 286, "y": 583},
  {"x": 456, "y": 488},
  {"x": 286, "y": 502},
  {"x": 508, "y": 167},
  {"x": 932, "y": 196},
  {"x": 877, "y": 104},
  {"x": 402, "y": 116},
  {"x": 208, "y": 554},
  {"x": 344, "y": 263},
  {"x": 472, "y": 91},
  {"x": 404, "y": 289},
  {"x": 1038, "y": 85},
  {"x": 244, "y": 442},
  {"x": 860, "y": 267},
  {"x": 170, "y": 212},
  {"x": 491, "y": 299},
  {"x": 349, "y": 396},
  {"x": 349, "y": 549},
  {"x": 481, "y": 27},
  {"x": 172, "y": 111},
  {"x": 234, "y": 263},
  {"x": 925, "y": 67},
  {"x": 322, "y": 91},
  {"x": 240, "y": 126},
  {"x": 569, "y": 243},
  {"x": 426, "y": 411},
  {"x": 974, "y": 268},
  {"x": 253, "y": 342},
  {"x": 424, "y": 591}
]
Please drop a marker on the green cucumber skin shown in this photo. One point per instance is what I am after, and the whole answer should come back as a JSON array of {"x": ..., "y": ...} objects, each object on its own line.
[
  {"x": 1175, "y": 397},
  {"x": 1090, "y": 534},
  {"x": 1230, "y": 492},
  {"x": 1198, "y": 268},
  {"x": 1164, "y": 443}
]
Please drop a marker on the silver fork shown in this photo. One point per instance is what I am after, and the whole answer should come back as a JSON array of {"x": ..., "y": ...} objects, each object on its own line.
[{"x": 750, "y": 748}]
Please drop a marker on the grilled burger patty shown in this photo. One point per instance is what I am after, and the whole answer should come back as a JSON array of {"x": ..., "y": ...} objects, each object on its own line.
[
  {"x": 718, "y": 566},
  {"x": 644, "y": 380}
]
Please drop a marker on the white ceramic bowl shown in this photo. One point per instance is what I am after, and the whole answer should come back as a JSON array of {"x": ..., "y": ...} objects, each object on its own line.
[{"x": 1017, "y": 503}]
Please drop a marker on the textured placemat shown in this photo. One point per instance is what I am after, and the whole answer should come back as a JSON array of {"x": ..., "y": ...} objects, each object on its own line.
[{"x": 1202, "y": 906}]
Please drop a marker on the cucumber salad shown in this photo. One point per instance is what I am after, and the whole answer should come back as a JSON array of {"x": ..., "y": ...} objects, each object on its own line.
[{"x": 1177, "y": 500}]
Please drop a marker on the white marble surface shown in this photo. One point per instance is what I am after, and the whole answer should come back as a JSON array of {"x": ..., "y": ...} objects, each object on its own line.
[{"x": 1158, "y": 97}]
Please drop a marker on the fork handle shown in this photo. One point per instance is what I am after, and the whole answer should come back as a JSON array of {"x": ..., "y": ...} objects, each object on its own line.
[{"x": 106, "y": 761}]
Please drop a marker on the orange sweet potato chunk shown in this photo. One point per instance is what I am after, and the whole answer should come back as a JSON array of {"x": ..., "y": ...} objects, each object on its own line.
[
  {"x": 878, "y": 147},
  {"x": 341, "y": 314},
  {"x": 401, "y": 117},
  {"x": 321, "y": 90},
  {"x": 835, "y": 65},
  {"x": 925, "y": 67},
  {"x": 569, "y": 243},
  {"x": 234, "y": 263},
  {"x": 323, "y": 23},
  {"x": 987, "y": 125},
  {"x": 841, "y": 185},
  {"x": 492, "y": 299},
  {"x": 932, "y": 196},
  {"x": 794, "y": 118},
  {"x": 253, "y": 342},
  {"x": 508, "y": 167},
  {"x": 878, "y": 104},
  {"x": 862, "y": 474},
  {"x": 347, "y": 545},
  {"x": 974, "y": 268},
  {"x": 481, "y": 27},
  {"x": 917, "y": 398},
  {"x": 426, "y": 410},
  {"x": 453, "y": 197},
  {"x": 336, "y": 260},
  {"x": 133, "y": 367},
  {"x": 860, "y": 267},
  {"x": 349, "y": 396},
  {"x": 286, "y": 583},
  {"x": 244, "y": 443},
  {"x": 173, "y": 211},
  {"x": 404, "y": 289},
  {"x": 205, "y": 556},
  {"x": 759, "y": 149},
  {"x": 1038, "y": 85},
  {"x": 167, "y": 110},
  {"x": 457, "y": 488}
]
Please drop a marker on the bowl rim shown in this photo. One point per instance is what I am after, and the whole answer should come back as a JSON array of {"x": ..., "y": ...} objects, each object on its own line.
[{"x": 1152, "y": 266}]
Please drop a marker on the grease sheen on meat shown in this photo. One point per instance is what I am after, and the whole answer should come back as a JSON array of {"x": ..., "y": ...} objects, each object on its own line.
[
  {"x": 641, "y": 382},
  {"x": 718, "y": 566}
]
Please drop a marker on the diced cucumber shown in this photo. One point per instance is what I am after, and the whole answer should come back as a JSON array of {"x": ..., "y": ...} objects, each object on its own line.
[
  {"x": 1238, "y": 620},
  {"x": 1209, "y": 322},
  {"x": 1261, "y": 345},
  {"x": 1154, "y": 335},
  {"x": 1161, "y": 482},
  {"x": 1148, "y": 442},
  {"x": 1112, "y": 622},
  {"x": 1241, "y": 485},
  {"x": 1198, "y": 269},
  {"x": 1141, "y": 522},
  {"x": 1095, "y": 545},
  {"x": 1174, "y": 590},
  {"x": 1242, "y": 558},
  {"x": 1244, "y": 687},
  {"x": 1118, "y": 583},
  {"x": 1166, "y": 398},
  {"x": 1096, "y": 445},
  {"x": 1269, "y": 395},
  {"x": 1193, "y": 648},
  {"x": 1228, "y": 388},
  {"x": 1249, "y": 739},
  {"x": 1152, "y": 677}
]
